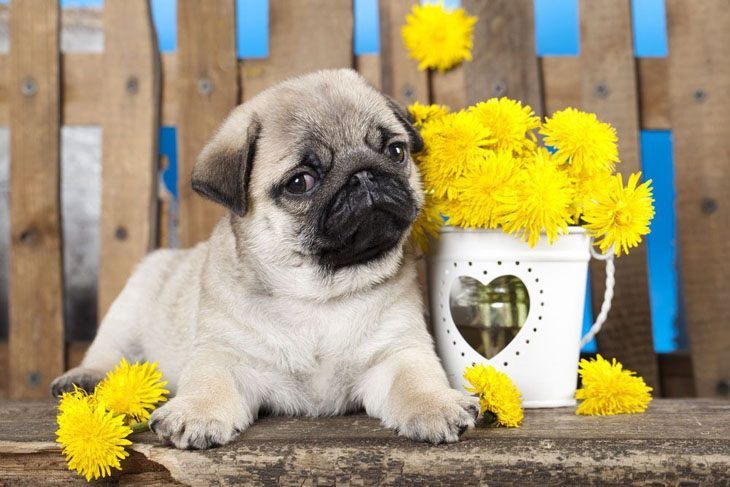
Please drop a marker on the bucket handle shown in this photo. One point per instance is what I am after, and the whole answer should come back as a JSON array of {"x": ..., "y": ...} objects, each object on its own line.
[{"x": 607, "y": 296}]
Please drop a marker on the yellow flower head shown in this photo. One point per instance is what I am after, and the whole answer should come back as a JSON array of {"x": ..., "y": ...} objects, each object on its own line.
[
  {"x": 438, "y": 38},
  {"x": 511, "y": 123},
  {"x": 453, "y": 143},
  {"x": 476, "y": 192},
  {"x": 619, "y": 215},
  {"x": 428, "y": 222},
  {"x": 498, "y": 396},
  {"x": 92, "y": 439},
  {"x": 582, "y": 141},
  {"x": 132, "y": 390},
  {"x": 539, "y": 200},
  {"x": 609, "y": 389},
  {"x": 424, "y": 113}
]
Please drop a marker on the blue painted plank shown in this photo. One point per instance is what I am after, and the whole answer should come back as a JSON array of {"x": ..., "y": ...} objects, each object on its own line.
[
  {"x": 557, "y": 29},
  {"x": 650, "y": 28},
  {"x": 252, "y": 28},
  {"x": 367, "y": 27},
  {"x": 164, "y": 17},
  {"x": 168, "y": 148},
  {"x": 590, "y": 347},
  {"x": 658, "y": 165}
]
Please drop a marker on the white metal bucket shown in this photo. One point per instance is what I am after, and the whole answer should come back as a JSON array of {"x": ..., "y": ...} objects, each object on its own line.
[{"x": 542, "y": 358}]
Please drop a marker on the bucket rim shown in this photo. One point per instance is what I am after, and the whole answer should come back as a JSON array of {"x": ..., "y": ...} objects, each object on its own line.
[{"x": 572, "y": 230}]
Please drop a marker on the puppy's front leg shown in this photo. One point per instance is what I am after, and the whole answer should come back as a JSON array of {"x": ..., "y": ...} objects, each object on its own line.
[
  {"x": 409, "y": 392},
  {"x": 211, "y": 408}
]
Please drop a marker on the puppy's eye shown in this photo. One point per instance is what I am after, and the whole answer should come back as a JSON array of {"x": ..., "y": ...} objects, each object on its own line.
[
  {"x": 301, "y": 183},
  {"x": 397, "y": 151}
]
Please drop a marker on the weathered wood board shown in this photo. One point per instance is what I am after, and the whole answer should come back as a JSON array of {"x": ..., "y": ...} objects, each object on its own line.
[
  {"x": 609, "y": 89},
  {"x": 304, "y": 36},
  {"x": 130, "y": 129},
  {"x": 699, "y": 86},
  {"x": 207, "y": 81},
  {"x": 673, "y": 442},
  {"x": 36, "y": 287}
]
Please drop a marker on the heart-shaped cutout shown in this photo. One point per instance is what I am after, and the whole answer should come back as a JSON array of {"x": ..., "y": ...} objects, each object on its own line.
[{"x": 489, "y": 316}]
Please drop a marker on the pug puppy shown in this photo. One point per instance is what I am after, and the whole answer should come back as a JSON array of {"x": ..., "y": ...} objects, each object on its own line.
[{"x": 304, "y": 301}]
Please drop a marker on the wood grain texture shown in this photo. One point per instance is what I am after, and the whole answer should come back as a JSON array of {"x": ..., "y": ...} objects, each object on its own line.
[
  {"x": 370, "y": 67},
  {"x": 561, "y": 81},
  {"x": 130, "y": 129},
  {"x": 401, "y": 78},
  {"x": 505, "y": 62},
  {"x": 36, "y": 287},
  {"x": 699, "y": 80},
  {"x": 654, "y": 93},
  {"x": 207, "y": 79},
  {"x": 609, "y": 89},
  {"x": 673, "y": 442},
  {"x": 304, "y": 36}
]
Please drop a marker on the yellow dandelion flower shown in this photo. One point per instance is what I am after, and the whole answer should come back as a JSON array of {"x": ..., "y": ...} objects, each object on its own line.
[
  {"x": 452, "y": 143},
  {"x": 619, "y": 215},
  {"x": 420, "y": 114},
  {"x": 609, "y": 389},
  {"x": 428, "y": 222},
  {"x": 539, "y": 200},
  {"x": 475, "y": 200},
  {"x": 438, "y": 38},
  {"x": 582, "y": 141},
  {"x": 91, "y": 438},
  {"x": 586, "y": 187},
  {"x": 499, "y": 398},
  {"x": 132, "y": 390},
  {"x": 511, "y": 124}
]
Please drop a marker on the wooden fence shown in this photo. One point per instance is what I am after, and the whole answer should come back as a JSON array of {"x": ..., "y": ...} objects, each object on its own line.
[{"x": 130, "y": 89}]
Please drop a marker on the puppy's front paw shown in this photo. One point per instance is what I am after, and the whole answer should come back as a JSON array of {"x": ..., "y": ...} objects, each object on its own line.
[
  {"x": 84, "y": 378},
  {"x": 194, "y": 423},
  {"x": 436, "y": 417}
]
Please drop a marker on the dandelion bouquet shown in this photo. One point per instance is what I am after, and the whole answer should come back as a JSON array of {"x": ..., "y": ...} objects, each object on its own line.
[
  {"x": 93, "y": 429},
  {"x": 483, "y": 167}
]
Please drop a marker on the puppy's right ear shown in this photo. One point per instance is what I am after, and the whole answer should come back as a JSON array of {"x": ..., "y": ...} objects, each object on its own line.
[{"x": 223, "y": 168}]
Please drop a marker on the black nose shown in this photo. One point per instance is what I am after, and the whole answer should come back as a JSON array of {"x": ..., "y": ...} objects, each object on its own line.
[{"x": 363, "y": 178}]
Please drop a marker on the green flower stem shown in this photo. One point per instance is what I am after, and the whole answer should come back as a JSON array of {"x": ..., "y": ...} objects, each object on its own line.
[{"x": 139, "y": 427}]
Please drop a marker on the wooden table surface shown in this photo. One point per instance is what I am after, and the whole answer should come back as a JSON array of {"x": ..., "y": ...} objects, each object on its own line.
[{"x": 675, "y": 441}]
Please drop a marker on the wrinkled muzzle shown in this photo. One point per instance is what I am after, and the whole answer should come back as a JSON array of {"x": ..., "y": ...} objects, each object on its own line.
[{"x": 365, "y": 219}]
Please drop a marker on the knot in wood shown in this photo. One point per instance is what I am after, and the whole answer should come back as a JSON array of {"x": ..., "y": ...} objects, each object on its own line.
[
  {"x": 499, "y": 88},
  {"x": 120, "y": 233},
  {"x": 30, "y": 236},
  {"x": 699, "y": 95},
  {"x": 29, "y": 86},
  {"x": 409, "y": 93},
  {"x": 601, "y": 90},
  {"x": 708, "y": 205},
  {"x": 205, "y": 86},
  {"x": 132, "y": 85}
]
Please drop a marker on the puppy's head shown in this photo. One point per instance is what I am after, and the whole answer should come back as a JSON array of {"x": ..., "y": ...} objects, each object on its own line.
[{"x": 318, "y": 174}]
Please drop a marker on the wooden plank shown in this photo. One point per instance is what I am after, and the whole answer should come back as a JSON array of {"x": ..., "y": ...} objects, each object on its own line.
[
  {"x": 674, "y": 442},
  {"x": 654, "y": 90},
  {"x": 676, "y": 374},
  {"x": 504, "y": 60},
  {"x": 609, "y": 88},
  {"x": 449, "y": 88},
  {"x": 699, "y": 77},
  {"x": 36, "y": 280},
  {"x": 304, "y": 36},
  {"x": 369, "y": 66},
  {"x": 561, "y": 81},
  {"x": 207, "y": 80},
  {"x": 168, "y": 110},
  {"x": 4, "y": 371},
  {"x": 82, "y": 84},
  {"x": 129, "y": 144},
  {"x": 401, "y": 77}
]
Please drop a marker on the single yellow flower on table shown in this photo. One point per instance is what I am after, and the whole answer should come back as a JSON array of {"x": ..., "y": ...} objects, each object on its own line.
[
  {"x": 92, "y": 439},
  {"x": 132, "y": 390},
  {"x": 607, "y": 388},
  {"x": 588, "y": 145},
  {"x": 618, "y": 216},
  {"x": 420, "y": 114},
  {"x": 438, "y": 38},
  {"x": 539, "y": 199},
  {"x": 499, "y": 398},
  {"x": 511, "y": 123}
]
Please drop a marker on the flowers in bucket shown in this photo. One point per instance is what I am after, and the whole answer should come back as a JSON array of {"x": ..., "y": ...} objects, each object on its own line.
[
  {"x": 93, "y": 429},
  {"x": 483, "y": 167}
]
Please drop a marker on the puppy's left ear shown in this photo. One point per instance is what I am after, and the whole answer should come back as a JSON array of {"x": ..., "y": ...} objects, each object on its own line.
[
  {"x": 405, "y": 119},
  {"x": 223, "y": 168}
]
